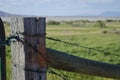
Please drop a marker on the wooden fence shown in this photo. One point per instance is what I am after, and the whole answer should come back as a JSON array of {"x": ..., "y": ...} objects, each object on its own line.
[
  {"x": 2, "y": 52},
  {"x": 27, "y": 63},
  {"x": 30, "y": 57}
]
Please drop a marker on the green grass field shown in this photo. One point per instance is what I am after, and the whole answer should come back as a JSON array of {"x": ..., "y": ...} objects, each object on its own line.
[{"x": 90, "y": 35}]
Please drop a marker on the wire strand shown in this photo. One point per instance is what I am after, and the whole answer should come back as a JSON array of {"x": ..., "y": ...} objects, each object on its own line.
[{"x": 78, "y": 45}]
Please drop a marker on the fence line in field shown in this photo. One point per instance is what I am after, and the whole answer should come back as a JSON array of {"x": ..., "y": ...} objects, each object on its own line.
[
  {"x": 8, "y": 42},
  {"x": 29, "y": 56}
]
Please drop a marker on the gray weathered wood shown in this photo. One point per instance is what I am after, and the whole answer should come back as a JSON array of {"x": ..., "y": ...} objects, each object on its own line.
[
  {"x": 31, "y": 30},
  {"x": 2, "y": 52},
  {"x": 63, "y": 61}
]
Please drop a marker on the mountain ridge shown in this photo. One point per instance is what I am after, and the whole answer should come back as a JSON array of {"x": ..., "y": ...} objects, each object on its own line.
[
  {"x": 5, "y": 14},
  {"x": 5, "y": 17},
  {"x": 108, "y": 13}
]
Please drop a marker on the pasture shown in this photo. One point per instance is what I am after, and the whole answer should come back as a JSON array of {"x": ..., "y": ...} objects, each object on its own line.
[{"x": 84, "y": 33}]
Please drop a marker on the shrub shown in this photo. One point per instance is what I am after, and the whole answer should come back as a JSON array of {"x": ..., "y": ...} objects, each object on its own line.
[
  {"x": 101, "y": 24},
  {"x": 53, "y": 23},
  {"x": 117, "y": 32},
  {"x": 69, "y": 22},
  {"x": 105, "y": 31},
  {"x": 109, "y": 20},
  {"x": 7, "y": 23}
]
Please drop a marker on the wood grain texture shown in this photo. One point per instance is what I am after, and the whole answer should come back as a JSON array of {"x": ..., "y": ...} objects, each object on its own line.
[
  {"x": 2, "y": 52},
  {"x": 63, "y": 61},
  {"x": 23, "y": 56}
]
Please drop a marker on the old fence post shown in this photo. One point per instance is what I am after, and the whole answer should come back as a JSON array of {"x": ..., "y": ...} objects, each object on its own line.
[
  {"x": 28, "y": 54},
  {"x": 2, "y": 52}
]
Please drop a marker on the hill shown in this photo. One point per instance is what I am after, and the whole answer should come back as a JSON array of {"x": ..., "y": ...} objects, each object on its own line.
[
  {"x": 110, "y": 13},
  {"x": 5, "y": 14}
]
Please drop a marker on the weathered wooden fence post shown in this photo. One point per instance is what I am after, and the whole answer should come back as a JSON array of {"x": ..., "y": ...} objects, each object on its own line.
[
  {"x": 2, "y": 52},
  {"x": 28, "y": 64}
]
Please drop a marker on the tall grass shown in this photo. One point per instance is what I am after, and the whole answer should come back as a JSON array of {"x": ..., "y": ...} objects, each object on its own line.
[{"x": 89, "y": 36}]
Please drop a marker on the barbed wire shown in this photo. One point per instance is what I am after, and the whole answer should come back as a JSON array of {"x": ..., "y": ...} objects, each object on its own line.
[
  {"x": 78, "y": 45},
  {"x": 15, "y": 38},
  {"x": 8, "y": 40},
  {"x": 64, "y": 77},
  {"x": 49, "y": 70},
  {"x": 40, "y": 71},
  {"x": 36, "y": 50}
]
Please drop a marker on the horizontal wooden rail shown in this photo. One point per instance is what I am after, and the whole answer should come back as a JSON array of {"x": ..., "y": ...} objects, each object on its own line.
[{"x": 63, "y": 61}]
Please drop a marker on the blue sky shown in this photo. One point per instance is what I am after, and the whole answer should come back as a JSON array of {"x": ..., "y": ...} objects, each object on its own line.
[{"x": 59, "y": 7}]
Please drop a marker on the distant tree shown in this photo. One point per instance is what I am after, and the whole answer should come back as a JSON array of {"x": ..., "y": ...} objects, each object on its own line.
[
  {"x": 53, "y": 23},
  {"x": 109, "y": 20},
  {"x": 119, "y": 20},
  {"x": 70, "y": 22},
  {"x": 84, "y": 21},
  {"x": 101, "y": 24}
]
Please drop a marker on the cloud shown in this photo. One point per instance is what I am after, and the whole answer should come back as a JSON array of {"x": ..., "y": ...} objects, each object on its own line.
[
  {"x": 81, "y": 1},
  {"x": 58, "y": 2},
  {"x": 59, "y": 6},
  {"x": 97, "y": 1}
]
